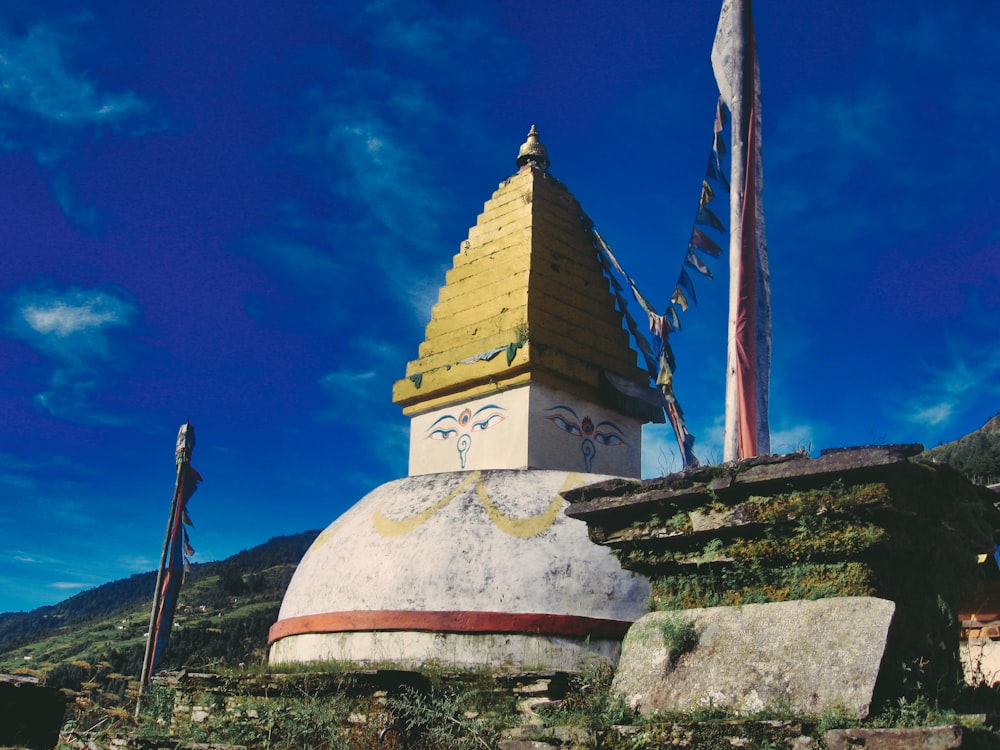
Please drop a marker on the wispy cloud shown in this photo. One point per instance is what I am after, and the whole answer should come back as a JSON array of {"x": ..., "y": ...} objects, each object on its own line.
[
  {"x": 36, "y": 476},
  {"x": 839, "y": 137},
  {"x": 48, "y": 102},
  {"x": 28, "y": 558},
  {"x": 436, "y": 40},
  {"x": 382, "y": 138},
  {"x": 366, "y": 385},
  {"x": 136, "y": 562},
  {"x": 948, "y": 389},
  {"x": 359, "y": 398},
  {"x": 16, "y": 477},
  {"x": 355, "y": 386},
  {"x": 73, "y": 330},
  {"x": 660, "y": 454},
  {"x": 70, "y": 585},
  {"x": 843, "y": 147},
  {"x": 39, "y": 81},
  {"x": 306, "y": 263}
]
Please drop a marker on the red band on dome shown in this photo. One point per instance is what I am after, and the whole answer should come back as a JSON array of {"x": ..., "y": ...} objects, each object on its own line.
[{"x": 450, "y": 622}]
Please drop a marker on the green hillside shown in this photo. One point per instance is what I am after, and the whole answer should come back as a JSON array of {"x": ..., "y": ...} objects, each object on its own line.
[
  {"x": 976, "y": 455},
  {"x": 224, "y": 611}
]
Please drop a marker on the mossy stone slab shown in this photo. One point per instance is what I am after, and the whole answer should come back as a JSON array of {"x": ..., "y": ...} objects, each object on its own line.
[{"x": 800, "y": 657}]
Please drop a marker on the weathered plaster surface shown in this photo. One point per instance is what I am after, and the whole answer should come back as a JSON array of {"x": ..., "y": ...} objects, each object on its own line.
[
  {"x": 411, "y": 649},
  {"x": 479, "y": 541}
]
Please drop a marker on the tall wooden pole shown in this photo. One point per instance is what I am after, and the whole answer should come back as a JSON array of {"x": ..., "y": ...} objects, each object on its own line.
[{"x": 185, "y": 446}]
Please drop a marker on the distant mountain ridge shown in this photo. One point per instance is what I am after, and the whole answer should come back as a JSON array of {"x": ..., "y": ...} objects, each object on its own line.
[
  {"x": 107, "y": 624},
  {"x": 976, "y": 455}
]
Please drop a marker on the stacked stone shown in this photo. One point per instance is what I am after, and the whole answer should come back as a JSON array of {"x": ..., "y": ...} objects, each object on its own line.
[{"x": 861, "y": 522}]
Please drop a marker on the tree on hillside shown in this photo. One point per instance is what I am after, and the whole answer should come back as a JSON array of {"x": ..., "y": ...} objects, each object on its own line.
[{"x": 976, "y": 455}]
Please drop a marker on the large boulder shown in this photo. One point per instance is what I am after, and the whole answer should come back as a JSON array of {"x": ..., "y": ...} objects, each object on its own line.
[{"x": 803, "y": 657}]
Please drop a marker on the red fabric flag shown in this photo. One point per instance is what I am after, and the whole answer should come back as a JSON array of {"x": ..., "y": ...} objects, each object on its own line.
[{"x": 734, "y": 61}]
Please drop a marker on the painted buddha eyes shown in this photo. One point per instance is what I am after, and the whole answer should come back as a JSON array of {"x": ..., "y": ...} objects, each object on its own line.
[
  {"x": 467, "y": 422},
  {"x": 490, "y": 421},
  {"x": 603, "y": 433},
  {"x": 482, "y": 419},
  {"x": 610, "y": 438},
  {"x": 566, "y": 426}
]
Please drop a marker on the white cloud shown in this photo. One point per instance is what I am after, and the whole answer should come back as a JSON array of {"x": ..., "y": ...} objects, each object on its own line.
[
  {"x": 21, "y": 558},
  {"x": 70, "y": 585},
  {"x": 946, "y": 389},
  {"x": 47, "y": 104},
  {"x": 368, "y": 384},
  {"x": 352, "y": 385},
  {"x": 71, "y": 326},
  {"x": 63, "y": 319},
  {"x": 381, "y": 166},
  {"x": 38, "y": 81},
  {"x": 933, "y": 414},
  {"x": 360, "y": 400},
  {"x": 424, "y": 293},
  {"x": 382, "y": 137},
  {"x": 72, "y": 329}
]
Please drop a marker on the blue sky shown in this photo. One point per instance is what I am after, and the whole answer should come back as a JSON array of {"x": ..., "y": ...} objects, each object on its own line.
[{"x": 240, "y": 213}]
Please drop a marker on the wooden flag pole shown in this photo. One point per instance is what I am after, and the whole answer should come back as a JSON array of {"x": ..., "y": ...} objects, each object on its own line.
[{"x": 185, "y": 445}]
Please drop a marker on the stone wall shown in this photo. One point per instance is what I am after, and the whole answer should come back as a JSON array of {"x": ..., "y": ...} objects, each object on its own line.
[
  {"x": 553, "y": 710},
  {"x": 859, "y": 522}
]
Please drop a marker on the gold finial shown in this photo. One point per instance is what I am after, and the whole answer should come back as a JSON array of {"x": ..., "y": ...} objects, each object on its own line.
[{"x": 533, "y": 151}]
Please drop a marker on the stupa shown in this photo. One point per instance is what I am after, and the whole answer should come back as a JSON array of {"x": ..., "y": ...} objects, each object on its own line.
[{"x": 525, "y": 387}]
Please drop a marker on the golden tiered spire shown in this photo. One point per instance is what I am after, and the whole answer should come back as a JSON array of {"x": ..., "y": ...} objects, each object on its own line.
[{"x": 526, "y": 301}]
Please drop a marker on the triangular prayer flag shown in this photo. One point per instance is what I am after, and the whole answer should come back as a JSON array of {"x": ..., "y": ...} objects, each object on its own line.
[
  {"x": 706, "y": 193},
  {"x": 707, "y": 219},
  {"x": 674, "y": 320},
  {"x": 685, "y": 283},
  {"x": 697, "y": 264},
  {"x": 680, "y": 299},
  {"x": 703, "y": 242}
]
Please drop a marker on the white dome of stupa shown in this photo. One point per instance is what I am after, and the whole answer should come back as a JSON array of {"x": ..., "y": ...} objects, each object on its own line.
[{"x": 459, "y": 568}]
